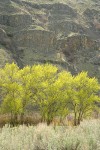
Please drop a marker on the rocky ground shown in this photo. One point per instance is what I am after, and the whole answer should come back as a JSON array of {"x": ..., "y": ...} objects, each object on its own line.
[{"x": 62, "y": 32}]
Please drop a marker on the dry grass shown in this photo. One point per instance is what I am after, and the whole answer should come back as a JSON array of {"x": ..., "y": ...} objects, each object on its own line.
[{"x": 29, "y": 119}]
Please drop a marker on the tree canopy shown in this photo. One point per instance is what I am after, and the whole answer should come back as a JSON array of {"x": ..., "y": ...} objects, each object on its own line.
[{"x": 55, "y": 92}]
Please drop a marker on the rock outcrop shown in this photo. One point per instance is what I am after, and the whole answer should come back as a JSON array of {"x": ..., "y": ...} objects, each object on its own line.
[{"x": 63, "y": 33}]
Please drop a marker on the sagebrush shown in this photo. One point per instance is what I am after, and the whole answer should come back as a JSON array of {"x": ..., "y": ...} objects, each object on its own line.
[{"x": 43, "y": 137}]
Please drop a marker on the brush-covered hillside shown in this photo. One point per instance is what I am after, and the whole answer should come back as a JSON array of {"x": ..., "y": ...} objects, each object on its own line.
[{"x": 62, "y": 32}]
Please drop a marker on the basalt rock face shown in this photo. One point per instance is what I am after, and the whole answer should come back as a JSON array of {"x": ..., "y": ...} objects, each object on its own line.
[{"x": 65, "y": 33}]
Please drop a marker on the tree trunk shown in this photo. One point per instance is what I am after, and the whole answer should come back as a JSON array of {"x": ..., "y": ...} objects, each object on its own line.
[
  {"x": 14, "y": 119},
  {"x": 48, "y": 122},
  {"x": 80, "y": 117},
  {"x": 22, "y": 118},
  {"x": 75, "y": 120},
  {"x": 75, "y": 116},
  {"x": 11, "y": 119}
]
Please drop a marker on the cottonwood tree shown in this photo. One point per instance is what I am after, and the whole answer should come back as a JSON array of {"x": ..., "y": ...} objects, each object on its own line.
[
  {"x": 25, "y": 80},
  {"x": 10, "y": 90},
  {"x": 83, "y": 95},
  {"x": 43, "y": 78},
  {"x": 54, "y": 96}
]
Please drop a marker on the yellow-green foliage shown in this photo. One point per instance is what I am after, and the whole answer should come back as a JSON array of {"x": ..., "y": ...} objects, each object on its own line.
[
  {"x": 10, "y": 88},
  {"x": 55, "y": 93},
  {"x": 83, "y": 95}
]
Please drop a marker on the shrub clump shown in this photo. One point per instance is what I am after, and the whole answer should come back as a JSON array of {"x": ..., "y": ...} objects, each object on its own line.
[{"x": 43, "y": 137}]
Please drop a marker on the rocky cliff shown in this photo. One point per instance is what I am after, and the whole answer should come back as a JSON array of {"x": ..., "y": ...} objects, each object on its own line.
[{"x": 62, "y": 32}]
